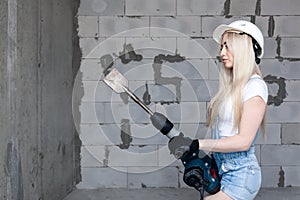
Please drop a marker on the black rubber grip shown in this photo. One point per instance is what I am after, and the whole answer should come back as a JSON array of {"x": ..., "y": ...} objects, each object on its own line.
[{"x": 161, "y": 122}]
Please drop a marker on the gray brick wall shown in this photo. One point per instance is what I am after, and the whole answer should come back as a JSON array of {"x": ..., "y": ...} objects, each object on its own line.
[
  {"x": 199, "y": 8},
  {"x": 120, "y": 148},
  {"x": 154, "y": 7}
]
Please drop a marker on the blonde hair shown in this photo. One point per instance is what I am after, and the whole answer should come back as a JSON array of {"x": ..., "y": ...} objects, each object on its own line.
[{"x": 232, "y": 81}]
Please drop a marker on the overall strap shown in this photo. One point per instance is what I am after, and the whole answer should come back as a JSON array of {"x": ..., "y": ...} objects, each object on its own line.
[{"x": 215, "y": 130}]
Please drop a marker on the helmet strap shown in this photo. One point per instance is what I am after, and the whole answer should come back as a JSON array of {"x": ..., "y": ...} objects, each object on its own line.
[{"x": 256, "y": 49}]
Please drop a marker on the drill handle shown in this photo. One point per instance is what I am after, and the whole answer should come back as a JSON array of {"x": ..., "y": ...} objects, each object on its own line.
[{"x": 164, "y": 125}]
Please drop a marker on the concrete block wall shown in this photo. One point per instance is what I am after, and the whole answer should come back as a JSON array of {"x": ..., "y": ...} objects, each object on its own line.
[{"x": 166, "y": 51}]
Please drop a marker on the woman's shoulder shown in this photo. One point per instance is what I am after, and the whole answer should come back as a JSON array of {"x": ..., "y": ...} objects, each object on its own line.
[{"x": 256, "y": 86}]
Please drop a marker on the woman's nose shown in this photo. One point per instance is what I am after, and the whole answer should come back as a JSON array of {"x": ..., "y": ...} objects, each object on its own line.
[{"x": 222, "y": 51}]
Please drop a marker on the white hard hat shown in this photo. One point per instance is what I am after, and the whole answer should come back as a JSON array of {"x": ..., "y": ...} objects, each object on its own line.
[{"x": 244, "y": 27}]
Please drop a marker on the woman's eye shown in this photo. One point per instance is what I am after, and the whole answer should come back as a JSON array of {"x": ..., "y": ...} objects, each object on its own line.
[{"x": 225, "y": 45}]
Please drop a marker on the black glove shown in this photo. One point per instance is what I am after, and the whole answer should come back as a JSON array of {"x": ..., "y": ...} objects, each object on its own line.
[{"x": 180, "y": 145}]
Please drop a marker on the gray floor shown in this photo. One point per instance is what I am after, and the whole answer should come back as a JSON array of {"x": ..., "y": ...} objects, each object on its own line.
[{"x": 291, "y": 193}]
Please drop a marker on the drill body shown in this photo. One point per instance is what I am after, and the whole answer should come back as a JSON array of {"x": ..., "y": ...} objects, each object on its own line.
[{"x": 201, "y": 172}]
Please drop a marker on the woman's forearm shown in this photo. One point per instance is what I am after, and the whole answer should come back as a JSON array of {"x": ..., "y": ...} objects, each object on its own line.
[{"x": 229, "y": 144}]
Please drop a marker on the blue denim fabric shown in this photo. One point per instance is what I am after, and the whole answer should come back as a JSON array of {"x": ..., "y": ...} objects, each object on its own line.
[{"x": 240, "y": 174}]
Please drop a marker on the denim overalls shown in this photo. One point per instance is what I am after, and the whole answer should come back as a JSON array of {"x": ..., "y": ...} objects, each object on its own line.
[{"x": 239, "y": 171}]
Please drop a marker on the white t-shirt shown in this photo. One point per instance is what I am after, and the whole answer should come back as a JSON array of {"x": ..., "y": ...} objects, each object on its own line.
[{"x": 254, "y": 87}]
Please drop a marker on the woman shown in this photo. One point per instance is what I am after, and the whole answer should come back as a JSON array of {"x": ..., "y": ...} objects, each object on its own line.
[{"x": 236, "y": 113}]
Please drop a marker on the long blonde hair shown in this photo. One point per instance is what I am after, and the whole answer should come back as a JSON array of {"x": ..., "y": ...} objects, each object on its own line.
[{"x": 232, "y": 81}]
